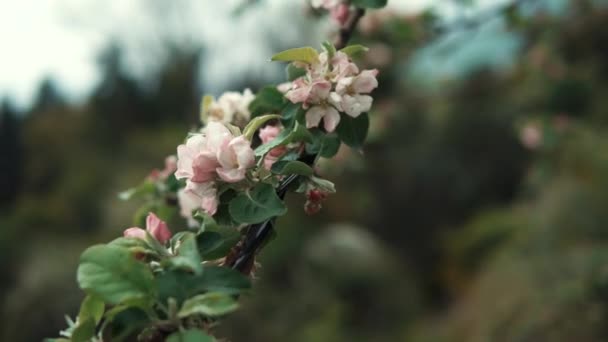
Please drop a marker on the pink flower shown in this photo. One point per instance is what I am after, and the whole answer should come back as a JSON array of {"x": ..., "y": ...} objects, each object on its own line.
[
  {"x": 329, "y": 114},
  {"x": 216, "y": 152},
  {"x": 158, "y": 228},
  {"x": 155, "y": 226},
  {"x": 235, "y": 157},
  {"x": 170, "y": 167},
  {"x": 531, "y": 136},
  {"x": 197, "y": 196},
  {"x": 363, "y": 83},
  {"x": 340, "y": 13},
  {"x": 308, "y": 92},
  {"x": 135, "y": 232},
  {"x": 342, "y": 66},
  {"x": 267, "y": 134}
]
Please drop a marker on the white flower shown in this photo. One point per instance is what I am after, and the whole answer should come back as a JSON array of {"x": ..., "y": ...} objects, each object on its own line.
[
  {"x": 231, "y": 107},
  {"x": 197, "y": 196},
  {"x": 328, "y": 113}
]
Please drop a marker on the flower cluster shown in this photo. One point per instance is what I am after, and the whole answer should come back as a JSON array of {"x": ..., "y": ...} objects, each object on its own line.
[
  {"x": 216, "y": 155},
  {"x": 232, "y": 108},
  {"x": 332, "y": 84},
  {"x": 339, "y": 10}
]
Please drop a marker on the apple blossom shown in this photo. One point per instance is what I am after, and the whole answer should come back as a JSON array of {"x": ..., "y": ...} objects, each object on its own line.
[
  {"x": 235, "y": 157},
  {"x": 231, "y": 107},
  {"x": 197, "y": 196},
  {"x": 330, "y": 86},
  {"x": 155, "y": 226},
  {"x": 158, "y": 228},
  {"x": 339, "y": 9},
  {"x": 215, "y": 152}
]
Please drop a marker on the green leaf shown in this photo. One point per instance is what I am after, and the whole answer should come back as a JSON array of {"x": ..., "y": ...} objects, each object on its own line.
[
  {"x": 124, "y": 323},
  {"x": 299, "y": 133},
  {"x": 267, "y": 101},
  {"x": 191, "y": 335},
  {"x": 325, "y": 144},
  {"x": 293, "y": 72},
  {"x": 289, "y": 167},
  {"x": 330, "y": 48},
  {"x": 224, "y": 279},
  {"x": 255, "y": 123},
  {"x": 112, "y": 273},
  {"x": 352, "y": 50},
  {"x": 369, "y": 3},
  {"x": 353, "y": 131},
  {"x": 216, "y": 244},
  {"x": 303, "y": 54},
  {"x": 209, "y": 304},
  {"x": 134, "y": 246},
  {"x": 91, "y": 307},
  {"x": 182, "y": 285},
  {"x": 187, "y": 257},
  {"x": 84, "y": 331},
  {"x": 256, "y": 205}
]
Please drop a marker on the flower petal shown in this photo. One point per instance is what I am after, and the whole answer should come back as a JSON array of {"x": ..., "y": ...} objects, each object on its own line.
[{"x": 331, "y": 119}]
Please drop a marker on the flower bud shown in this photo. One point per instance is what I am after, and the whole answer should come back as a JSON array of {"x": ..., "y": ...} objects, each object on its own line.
[
  {"x": 135, "y": 232},
  {"x": 158, "y": 228}
]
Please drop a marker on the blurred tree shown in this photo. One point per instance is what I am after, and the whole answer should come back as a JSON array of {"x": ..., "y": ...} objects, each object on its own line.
[{"x": 11, "y": 150}]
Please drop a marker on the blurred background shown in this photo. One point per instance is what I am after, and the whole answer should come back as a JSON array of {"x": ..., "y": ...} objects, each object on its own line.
[{"x": 477, "y": 213}]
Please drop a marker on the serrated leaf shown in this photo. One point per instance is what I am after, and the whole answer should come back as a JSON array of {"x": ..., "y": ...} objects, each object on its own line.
[
  {"x": 291, "y": 167},
  {"x": 353, "y": 131},
  {"x": 191, "y": 335},
  {"x": 112, "y": 273},
  {"x": 209, "y": 304},
  {"x": 91, "y": 307},
  {"x": 256, "y": 123},
  {"x": 352, "y": 50},
  {"x": 369, "y": 3},
  {"x": 256, "y": 205},
  {"x": 303, "y": 54}
]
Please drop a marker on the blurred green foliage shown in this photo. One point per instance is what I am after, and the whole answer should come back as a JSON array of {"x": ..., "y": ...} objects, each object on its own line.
[{"x": 451, "y": 227}]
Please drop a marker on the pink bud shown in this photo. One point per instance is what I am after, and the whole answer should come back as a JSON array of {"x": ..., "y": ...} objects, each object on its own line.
[
  {"x": 135, "y": 232},
  {"x": 340, "y": 13},
  {"x": 158, "y": 228}
]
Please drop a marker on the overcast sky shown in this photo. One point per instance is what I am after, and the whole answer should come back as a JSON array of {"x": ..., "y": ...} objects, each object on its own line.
[{"x": 61, "y": 38}]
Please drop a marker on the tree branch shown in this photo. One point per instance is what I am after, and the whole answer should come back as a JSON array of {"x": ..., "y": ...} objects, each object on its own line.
[{"x": 243, "y": 256}]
